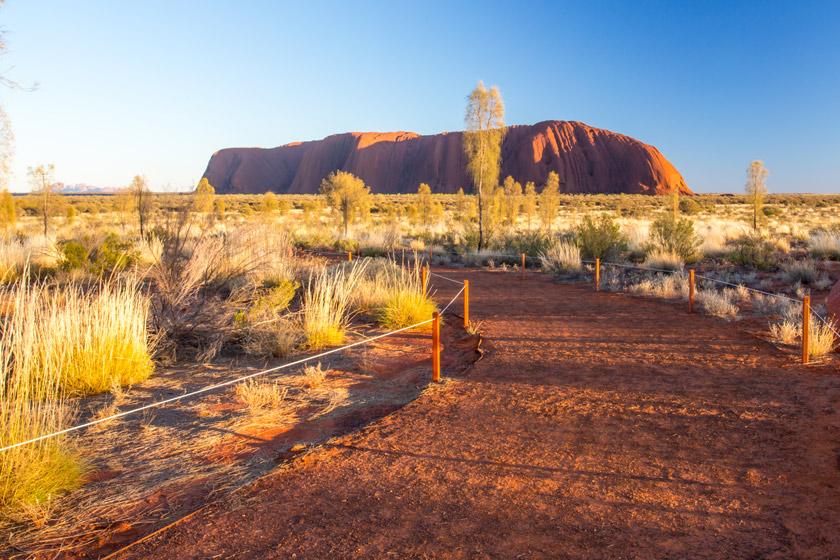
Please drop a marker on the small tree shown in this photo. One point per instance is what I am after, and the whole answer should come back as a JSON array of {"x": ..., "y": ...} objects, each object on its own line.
[
  {"x": 529, "y": 202},
  {"x": 220, "y": 208},
  {"x": 203, "y": 196},
  {"x": 485, "y": 130},
  {"x": 42, "y": 183},
  {"x": 142, "y": 201},
  {"x": 757, "y": 190},
  {"x": 513, "y": 200},
  {"x": 424, "y": 204},
  {"x": 346, "y": 194},
  {"x": 464, "y": 206},
  {"x": 550, "y": 200}
]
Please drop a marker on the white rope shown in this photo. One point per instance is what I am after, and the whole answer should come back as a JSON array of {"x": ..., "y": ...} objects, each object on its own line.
[
  {"x": 220, "y": 385},
  {"x": 451, "y": 301},
  {"x": 445, "y": 278}
]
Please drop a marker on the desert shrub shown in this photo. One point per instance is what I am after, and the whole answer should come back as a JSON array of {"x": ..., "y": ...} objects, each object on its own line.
[
  {"x": 113, "y": 254},
  {"x": 804, "y": 272},
  {"x": 327, "y": 304},
  {"x": 530, "y": 242},
  {"x": 663, "y": 260},
  {"x": 821, "y": 338},
  {"x": 272, "y": 338},
  {"x": 13, "y": 259},
  {"x": 825, "y": 245},
  {"x": 676, "y": 237},
  {"x": 717, "y": 303},
  {"x": 600, "y": 237},
  {"x": 561, "y": 258},
  {"x": 32, "y": 403},
  {"x": 665, "y": 286},
  {"x": 689, "y": 206},
  {"x": 74, "y": 255},
  {"x": 404, "y": 308},
  {"x": 261, "y": 395},
  {"x": 313, "y": 377},
  {"x": 772, "y": 211},
  {"x": 754, "y": 251},
  {"x": 785, "y": 332}
]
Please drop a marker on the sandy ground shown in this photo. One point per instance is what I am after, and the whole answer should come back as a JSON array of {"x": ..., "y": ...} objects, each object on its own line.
[{"x": 597, "y": 425}]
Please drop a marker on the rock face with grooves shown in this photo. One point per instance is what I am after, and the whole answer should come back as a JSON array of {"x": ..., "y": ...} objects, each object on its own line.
[{"x": 588, "y": 160}]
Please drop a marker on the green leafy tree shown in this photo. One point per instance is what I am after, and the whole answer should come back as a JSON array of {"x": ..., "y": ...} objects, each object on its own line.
[
  {"x": 485, "y": 130},
  {"x": 675, "y": 236},
  {"x": 550, "y": 200},
  {"x": 464, "y": 206},
  {"x": 529, "y": 202},
  {"x": 757, "y": 190},
  {"x": 348, "y": 195},
  {"x": 203, "y": 196}
]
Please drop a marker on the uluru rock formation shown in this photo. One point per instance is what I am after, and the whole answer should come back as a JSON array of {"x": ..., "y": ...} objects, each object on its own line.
[{"x": 588, "y": 160}]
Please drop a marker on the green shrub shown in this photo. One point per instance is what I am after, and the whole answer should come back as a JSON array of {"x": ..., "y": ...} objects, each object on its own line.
[
  {"x": 689, "y": 206},
  {"x": 600, "y": 238},
  {"x": 772, "y": 211},
  {"x": 754, "y": 251},
  {"x": 74, "y": 255},
  {"x": 531, "y": 243},
  {"x": 675, "y": 237},
  {"x": 113, "y": 254}
]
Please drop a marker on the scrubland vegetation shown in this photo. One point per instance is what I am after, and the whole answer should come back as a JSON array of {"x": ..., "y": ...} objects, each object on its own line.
[{"x": 90, "y": 304}]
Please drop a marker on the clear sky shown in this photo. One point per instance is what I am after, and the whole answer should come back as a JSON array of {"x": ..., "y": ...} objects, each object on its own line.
[{"x": 156, "y": 87}]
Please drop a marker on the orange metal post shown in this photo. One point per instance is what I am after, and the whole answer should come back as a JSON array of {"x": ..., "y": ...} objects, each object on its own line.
[
  {"x": 691, "y": 290},
  {"x": 436, "y": 347},
  {"x": 466, "y": 303},
  {"x": 349, "y": 256},
  {"x": 523, "y": 264},
  {"x": 806, "y": 327},
  {"x": 597, "y": 274},
  {"x": 424, "y": 277}
]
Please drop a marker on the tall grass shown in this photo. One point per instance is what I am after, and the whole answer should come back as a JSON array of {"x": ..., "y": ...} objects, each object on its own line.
[
  {"x": 328, "y": 304},
  {"x": 406, "y": 300},
  {"x": 96, "y": 339},
  {"x": 561, "y": 258},
  {"x": 32, "y": 403}
]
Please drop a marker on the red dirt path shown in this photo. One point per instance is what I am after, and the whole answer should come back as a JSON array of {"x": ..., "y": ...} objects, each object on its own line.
[{"x": 596, "y": 426}]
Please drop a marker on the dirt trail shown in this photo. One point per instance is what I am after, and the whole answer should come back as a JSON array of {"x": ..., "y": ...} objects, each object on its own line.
[{"x": 596, "y": 426}]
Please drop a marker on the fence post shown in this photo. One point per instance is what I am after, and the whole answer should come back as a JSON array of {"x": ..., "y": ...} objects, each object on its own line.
[
  {"x": 349, "y": 256},
  {"x": 691, "y": 290},
  {"x": 436, "y": 347},
  {"x": 466, "y": 303},
  {"x": 523, "y": 265},
  {"x": 806, "y": 328},
  {"x": 430, "y": 257},
  {"x": 424, "y": 277},
  {"x": 597, "y": 274}
]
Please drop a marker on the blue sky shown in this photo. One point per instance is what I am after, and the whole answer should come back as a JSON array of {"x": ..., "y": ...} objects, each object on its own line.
[{"x": 155, "y": 87}]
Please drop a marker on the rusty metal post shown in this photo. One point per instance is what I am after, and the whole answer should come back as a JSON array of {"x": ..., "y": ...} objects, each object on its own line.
[
  {"x": 436, "y": 347},
  {"x": 424, "y": 277},
  {"x": 523, "y": 265},
  {"x": 806, "y": 328},
  {"x": 349, "y": 256},
  {"x": 466, "y": 303},
  {"x": 691, "y": 290},
  {"x": 597, "y": 274}
]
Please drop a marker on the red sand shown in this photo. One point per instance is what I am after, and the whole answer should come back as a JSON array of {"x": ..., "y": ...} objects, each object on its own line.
[{"x": 596, "y": 426}]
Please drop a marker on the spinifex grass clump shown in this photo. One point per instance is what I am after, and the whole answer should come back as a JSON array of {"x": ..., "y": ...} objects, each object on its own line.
[
  {"x": 31, "y": 404},
  {"x": 96, "y": 339},
  {"x": 406, "y": 301},
  {"x": 327, "y": 304}
]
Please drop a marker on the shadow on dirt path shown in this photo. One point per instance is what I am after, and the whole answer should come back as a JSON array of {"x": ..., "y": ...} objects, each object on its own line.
[{"x": 596, "y": 426}]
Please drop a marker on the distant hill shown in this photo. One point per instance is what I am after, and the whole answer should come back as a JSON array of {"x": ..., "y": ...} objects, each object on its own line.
[{"x": 588, "y": 160}]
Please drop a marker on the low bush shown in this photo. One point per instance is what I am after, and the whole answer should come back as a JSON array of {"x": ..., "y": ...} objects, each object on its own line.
[
  {"x": 689, "y": 206},
  {"x": 804, "y": 272},
  {"x": 675, "y": 237},
  {"x": 717, "y": 303},
  {"x": 665, "y": 286},
  {"x": 261, "y": 395},
  {"x": 600, "y": 237},
  {"x": 664, "y": 260},
  {"x": 825, "y": 245},
  {"x": 755, "y": 252},
  {"x": 327, "y": 304}
]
